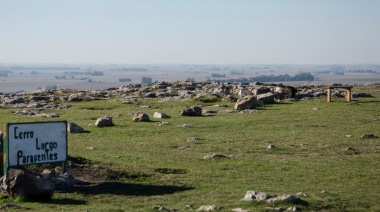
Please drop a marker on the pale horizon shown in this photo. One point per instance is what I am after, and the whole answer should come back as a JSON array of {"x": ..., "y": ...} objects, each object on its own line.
[{"x": 214, "y": 32}]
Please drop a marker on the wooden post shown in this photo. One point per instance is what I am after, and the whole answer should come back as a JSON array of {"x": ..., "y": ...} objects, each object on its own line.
[
  {"x": 328, "y": 94},
  {"x": 348, "y": 95}
]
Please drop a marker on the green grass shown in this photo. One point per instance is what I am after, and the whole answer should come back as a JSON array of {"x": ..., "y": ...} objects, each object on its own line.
[{"x": 310, "y": 155}]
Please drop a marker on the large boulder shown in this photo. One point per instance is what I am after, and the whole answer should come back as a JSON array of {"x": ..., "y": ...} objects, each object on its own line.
[
  {"x": 192, "y": 111},
  {"x": 261, "y": 90},
  {"x": 22, "y": 183},
  {"x": 140, "y": 116},
  {"x": 267, "y": 98},
  {"x": 247, "y": 102},
  {"x": 105, "y": 121}
]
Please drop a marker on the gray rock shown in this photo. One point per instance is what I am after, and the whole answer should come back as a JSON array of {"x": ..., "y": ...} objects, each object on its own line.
[
  {"x": 185, "y": 125},
  {"x": 286, "y": 198},
  {"x": 159, "y": 115},
  {"x": 266, "y": 98},
  {"x": 254, "y": 195},
  {"x": 192, "y": 111},
  {"x": 208, "y": 208},
  {"x": 274, "y": 209},
  {"x": 9, "y": 206},
  {"x": 240, "y": 210},
  {"x": 74, "y": 128},
  {"x": 247, "y": 102},
  {"x": 294, "y": 208},
  {"x": 358, "y": 95},
  {"x": 261, "y": 90},
  {"x": 161, "y": 208},
  {"x": 249, "y": 111},
  {"x": 150, "y": 95},
  {"x": 140, "y": 116},
  {"x": 213, "y": 155},
  {"x": 19, "y": 182},
  {"x": 368, "y": 136},
  {"x": 49, "y": 115},
  {"x": 193, "y": 139},
  {"x": 105, "y": 121},
  {"x": 160, "y": 123}
]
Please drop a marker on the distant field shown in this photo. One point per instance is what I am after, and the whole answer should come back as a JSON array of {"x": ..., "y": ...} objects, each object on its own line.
[{"x": 24, "y": 80}]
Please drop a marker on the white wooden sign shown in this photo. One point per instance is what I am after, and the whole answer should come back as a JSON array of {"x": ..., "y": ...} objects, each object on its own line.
[{"x": 36, "y": 143}]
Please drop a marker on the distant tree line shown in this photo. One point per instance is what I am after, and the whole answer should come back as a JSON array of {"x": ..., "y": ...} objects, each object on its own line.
[
  {"x": 130, "y": 69},
  {"x": 4, "y": 73},
  {"x": 43, "y": 68},
  {"x": 90, "y": 73},
  {"x": 125, "y": 80},
  {"x": 94, "y": 73},
  {"x": 237, "y": 72},
  {"x": 146, "y": 80},
  {"x": 218, "y": 75},
  {"x": 363, "y": 71},
  {"x": 302, "y": 76}
]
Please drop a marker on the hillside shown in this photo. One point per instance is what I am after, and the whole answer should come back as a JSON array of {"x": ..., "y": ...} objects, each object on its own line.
[{"x": 298, "y": 145}]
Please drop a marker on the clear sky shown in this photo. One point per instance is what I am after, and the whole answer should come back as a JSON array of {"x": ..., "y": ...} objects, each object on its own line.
[{"x": 190, "y": 31}]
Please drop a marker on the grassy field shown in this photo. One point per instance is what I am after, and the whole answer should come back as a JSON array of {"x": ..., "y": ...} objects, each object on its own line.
[{"x": 159, "y": 166}]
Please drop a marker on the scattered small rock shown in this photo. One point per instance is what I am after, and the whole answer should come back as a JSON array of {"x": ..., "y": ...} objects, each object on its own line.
[
  {"x": 212, "y": 155},
  {"x": 208, "y": 208},
  {"x": 274, "y": 209},
  {"x": 160, "y": 123},
  {"x": 348, "y": 136},
  {"x": 249, "y": 111},
  {"x": 286, "y": 198},
  {"x": 271, "y": 146},
  {"x": 162, "y": 208},
  {"x": 294, "y": 208},
  {"x": 9, "y": 206},
  {"x": 184, "y": 125},
  {"x": 301, "y": 193},
  {"x": 193, "y": 139},
  {"x": 315, "y": 108},
  {"x": 325, "y": 200},
  {"x": 240, "y": 210},
  {"x": 90, "y": 147},
  {"x": 254, "y": 195},
  {"x": 220, "y": 105},
  {"x": 368, "y": 136}
]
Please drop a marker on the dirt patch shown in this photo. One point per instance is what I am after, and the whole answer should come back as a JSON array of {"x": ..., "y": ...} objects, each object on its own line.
[{"x": 91, "y": 172}]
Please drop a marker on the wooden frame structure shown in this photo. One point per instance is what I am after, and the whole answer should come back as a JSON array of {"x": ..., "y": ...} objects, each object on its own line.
[{"x": 348, "y": 94}]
